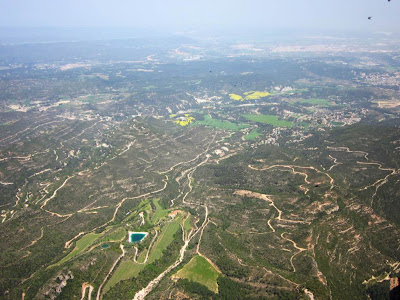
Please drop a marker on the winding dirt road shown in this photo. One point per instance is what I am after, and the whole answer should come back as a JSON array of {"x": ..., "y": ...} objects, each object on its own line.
[
  {"x": 109, "y": 272},
  {"x": 145, "y": 291}
]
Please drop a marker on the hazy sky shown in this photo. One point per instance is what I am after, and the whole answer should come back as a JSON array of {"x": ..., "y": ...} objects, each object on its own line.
[{"x": 182, "y": 15}]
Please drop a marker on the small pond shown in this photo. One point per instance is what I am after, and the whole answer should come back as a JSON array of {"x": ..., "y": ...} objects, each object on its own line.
[{"x": 136, "y": 236}]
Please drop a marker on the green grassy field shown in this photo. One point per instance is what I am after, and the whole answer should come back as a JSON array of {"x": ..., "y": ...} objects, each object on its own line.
[
  {"x": 252, "y": 135},
  {"x": 198, "y": 269},
  {"x": 148, "y": 210},
  {"x": 145, "y": 207},
  {"x": 81, "y": 245},
  {"x": 187, "y": 225},
  {"x": 159, "y": 212},
  {"x": 295, "y": 91},
  {"x": 269, "y": 119},
  {"x": 126, "y": 270},
  {"x": 117, "y": 235},
  {"x": 142, "y": 256},
  {"x": 209, "y": 121},
  {"x": 317, "y": 102},
  {"x": 165, "y": 238}
]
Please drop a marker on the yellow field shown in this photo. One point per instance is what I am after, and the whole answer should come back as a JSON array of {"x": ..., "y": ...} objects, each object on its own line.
[
  {"x": 252, "y": 95},
  {"x": 236, "y": 97},
  {"x": 256, "y": 95},
  {"x": 184, "y": 120}
]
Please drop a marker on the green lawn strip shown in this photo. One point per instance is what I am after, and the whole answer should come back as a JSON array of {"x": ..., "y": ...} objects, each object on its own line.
[
  {"x": 159, "y": 212},
  {"x": 142, "y": 256},
  {"x": 148, "y": 210},
  {"x": 199, "y": 270},
  {"x": 252, "y": 135},
  {"x": 116, "y": 235},
  {"x": 295, "y": 91},
  {"x": 127, "y": 269},
  {"x": 81, "y": 245},
  {"x": 317, "y": 102},
  {"x": 269, "y": 119},
  {"x": 166, "y": 236},
  {"x": 144, "y": 206},
  {"x": 187, "y": 225},
  {"x": 209, "y": 121}
]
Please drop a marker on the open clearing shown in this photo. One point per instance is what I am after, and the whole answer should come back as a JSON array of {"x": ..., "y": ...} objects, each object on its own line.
[
  {"x": 81, "y": 246},
  {"x": 236, "y": 97},
  {"x": 252, "y": 135},
  {"x": 126, "y": 270},
  {"x": 209, "y": 121},
  {"x": 269, "y": 119},
  {"x": 388, "y": 104},
  {"x": 117, "y": 235},
  {"x": 253, "y": 95},
  {"x": 159, "y": 213},
  {"x": 199, "y": 270},
  {"x": 93, "y": 98},
  {"x": 317, "y": 102},
  {"x": 166, "y": 237},
  {"x": 187, "y": 226},
  {"x": 184, "y": 121}
]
